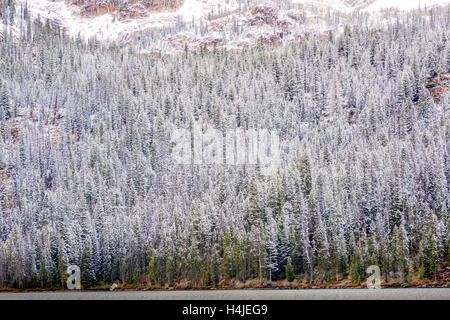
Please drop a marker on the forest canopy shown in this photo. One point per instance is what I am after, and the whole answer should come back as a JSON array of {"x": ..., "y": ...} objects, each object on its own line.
[{"x": 87, "y": 177}]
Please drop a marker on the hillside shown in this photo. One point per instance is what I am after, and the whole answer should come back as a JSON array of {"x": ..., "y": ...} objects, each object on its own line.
[
  {"x": 157, "y": 171},
  {"x": 171, "y": 26},
  {"x": 124, "y": 9}
]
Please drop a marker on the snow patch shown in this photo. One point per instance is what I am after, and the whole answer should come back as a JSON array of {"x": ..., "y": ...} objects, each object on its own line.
[
  {"x": 405, "y": 4},
  {"x": 106, "y": 27}
]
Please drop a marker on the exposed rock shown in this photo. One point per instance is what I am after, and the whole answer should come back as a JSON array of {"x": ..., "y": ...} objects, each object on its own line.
[
  {"x": 438, "y": 86},
  {"x": 267, "y": 39},
  {"x": 295, "y": 15},
  {"x": 210, "y": 43},
  {"x": 225, "y": 23},
  {"x": 136, "y": 10},
  {"x": 180, "y": 40},
  {"x": 93, "y": 8},
  {"x": 261, "y": 15},
  {"x": 124, "y": 9},
  {"x": 221, "y": 26},
  {"x": 351, "y": 115}
]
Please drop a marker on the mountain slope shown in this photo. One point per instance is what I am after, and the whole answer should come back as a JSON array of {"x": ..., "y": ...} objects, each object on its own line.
[
  {"x": 124, "y": 8},
  {"x": 171, "y": 25},
  {"x": 88, "y": 175},
  {"x": 372, "y": 5}
]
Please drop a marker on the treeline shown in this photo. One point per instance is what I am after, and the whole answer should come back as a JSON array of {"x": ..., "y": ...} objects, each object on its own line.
[{"x": 87, "y": 178}]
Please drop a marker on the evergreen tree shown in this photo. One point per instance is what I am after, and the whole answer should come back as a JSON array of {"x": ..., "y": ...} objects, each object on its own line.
[
  {"x": 5, "y": 103},
  {"x": 289, "y": 271}
]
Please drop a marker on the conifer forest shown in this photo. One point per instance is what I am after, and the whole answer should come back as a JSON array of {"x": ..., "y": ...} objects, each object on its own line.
[{"x": 87, "y": 176}]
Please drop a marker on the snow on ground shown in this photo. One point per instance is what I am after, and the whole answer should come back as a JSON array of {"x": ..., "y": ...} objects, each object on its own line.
[
  {"x": 405, "y": 4},
  {"x": 107, "y": 27},
  {"x": 333, "y": 4},
  {"x": 373, "y": 5}
]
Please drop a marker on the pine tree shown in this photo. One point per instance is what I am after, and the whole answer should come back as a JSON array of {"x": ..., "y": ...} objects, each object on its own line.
[
  {"x": 289, "y": 270},
  {"x": 272, "y": 247},
  {"x": 305, "y": 173},
  {"x": 5, "y": 103},
  {"x": 87, "y": 266},
  {"x": 152, "y": 270}
]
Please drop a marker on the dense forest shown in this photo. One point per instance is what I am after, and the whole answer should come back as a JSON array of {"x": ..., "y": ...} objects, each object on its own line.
[{"x": 87, "y": 177}]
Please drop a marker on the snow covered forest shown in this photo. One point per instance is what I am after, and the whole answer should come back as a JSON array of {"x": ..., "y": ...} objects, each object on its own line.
[{"x": 87, "y": 177}]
